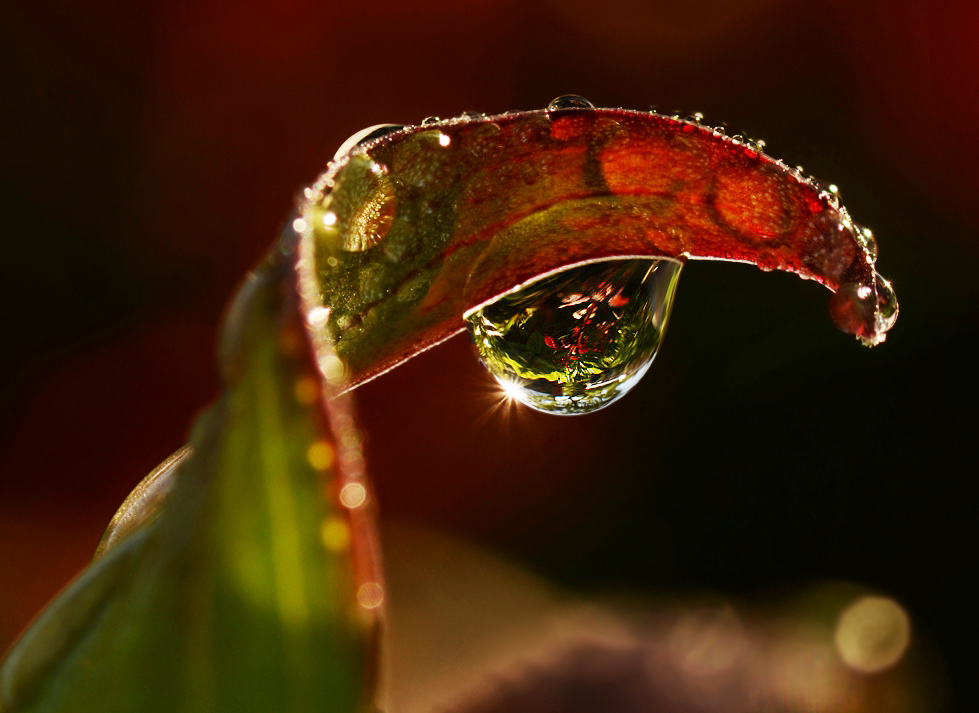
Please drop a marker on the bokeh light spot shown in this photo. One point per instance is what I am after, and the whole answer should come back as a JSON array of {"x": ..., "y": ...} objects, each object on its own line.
[
  {"x": 335, "y": 534},
  {"x": 353, "y": 495},
  {"x": 333, "y": 369},
  {"x": 872, "y": 634},
  {"x": 306, "y": 390},
  {"x": 320, "y": 455},
  {"x": 370, "y": 595}
]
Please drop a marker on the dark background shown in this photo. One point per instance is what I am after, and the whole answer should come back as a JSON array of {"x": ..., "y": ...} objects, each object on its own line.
[{"x": 151, "y": 150}]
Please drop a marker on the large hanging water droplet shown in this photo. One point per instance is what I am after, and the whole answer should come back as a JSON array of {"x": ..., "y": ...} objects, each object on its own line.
[
  {"x": 570, "y": 101},
  {"x": 857, "y": 309},
  {"x": 578, "y": 340}
]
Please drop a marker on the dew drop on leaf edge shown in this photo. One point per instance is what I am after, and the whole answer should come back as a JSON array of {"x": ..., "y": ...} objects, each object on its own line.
[
  {"x": 569, "y": 101},
  {"x": 365, "y": 136},
  {"x": 575, "y": 342}
]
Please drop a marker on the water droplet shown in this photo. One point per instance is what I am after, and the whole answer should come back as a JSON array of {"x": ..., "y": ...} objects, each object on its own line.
[
  {"x": 472, "y": 115},
  {"x": 887, "y": 307},
  {"x": 570, "y": 101},
  {"x": 828, "y": 192},
  {"x": 365, "y": 136},
  {"x": 430, "y": 120},
  {"x": 358, "y": 215},
  {"x": 857, "y": 308},
  {"x": 866, "y": 238},
  {"x": 578, "y": 340}
]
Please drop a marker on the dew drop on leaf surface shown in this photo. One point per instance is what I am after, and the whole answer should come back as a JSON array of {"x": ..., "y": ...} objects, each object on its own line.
[
  {"x": 569, "y": 101},
  {"x": 576, "y": 341}
]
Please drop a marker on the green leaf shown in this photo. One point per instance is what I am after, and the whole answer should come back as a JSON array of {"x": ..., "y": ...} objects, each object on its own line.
[{"x": 232, "y": 600}]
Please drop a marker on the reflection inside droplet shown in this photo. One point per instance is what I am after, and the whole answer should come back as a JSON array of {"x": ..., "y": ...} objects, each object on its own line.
[
  {"x": 578, "y": 340},
  {"x": 356, "y": 216}
]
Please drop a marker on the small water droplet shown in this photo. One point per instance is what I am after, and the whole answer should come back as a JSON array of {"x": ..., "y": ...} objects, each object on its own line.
[
  {"x": 887, "y": 307},
  {"x": 866, "y": 238},
  {"x": 576, "y": 341},
  {"x": 570, "y": 101},
  {"x": 358, "y": 216},
  {"x": 472, "y": 115},
  {"x": 365, "y": 136},
  {"x": 696, "y": 117},
  {"x": 828, "y": 192},
  {"x": 430, "y": 120}
]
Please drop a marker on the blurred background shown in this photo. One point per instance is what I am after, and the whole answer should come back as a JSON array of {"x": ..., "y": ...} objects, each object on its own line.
[{"x": 152, "y": 150}]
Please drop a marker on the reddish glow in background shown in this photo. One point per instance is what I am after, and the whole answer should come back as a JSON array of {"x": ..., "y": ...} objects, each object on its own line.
[{"x": 150, "y": 154}]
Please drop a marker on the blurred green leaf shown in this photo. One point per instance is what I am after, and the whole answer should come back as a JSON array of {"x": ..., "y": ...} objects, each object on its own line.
[{"x": 231, "y": 601}]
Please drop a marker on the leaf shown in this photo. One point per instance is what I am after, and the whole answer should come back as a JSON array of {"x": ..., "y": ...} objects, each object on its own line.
[
  {"x": 243, "y": 576},
  {"x": 463, "y": 210},
  {"x": 243, "y": 595}
]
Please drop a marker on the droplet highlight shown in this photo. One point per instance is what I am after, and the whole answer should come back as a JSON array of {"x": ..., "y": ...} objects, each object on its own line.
[{"x": 575, "y": 342}]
